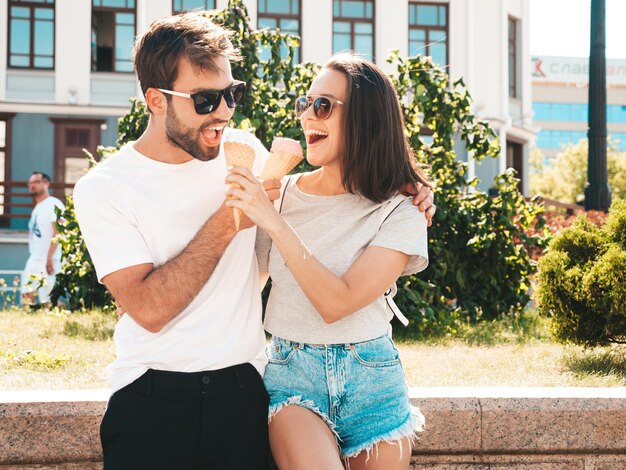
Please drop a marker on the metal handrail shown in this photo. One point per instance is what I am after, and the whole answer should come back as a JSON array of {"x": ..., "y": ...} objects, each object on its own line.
[{"x": 14, "y": 195}]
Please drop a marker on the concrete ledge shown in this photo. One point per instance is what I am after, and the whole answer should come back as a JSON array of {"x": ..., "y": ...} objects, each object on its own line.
[{"x": 466, "y": 428}]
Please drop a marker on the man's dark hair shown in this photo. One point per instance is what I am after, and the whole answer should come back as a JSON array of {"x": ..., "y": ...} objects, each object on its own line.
[
  {"x": 157, "y": 53},
  {"x": 377, "y": 160},
  {"x": 44, "y": 176}
]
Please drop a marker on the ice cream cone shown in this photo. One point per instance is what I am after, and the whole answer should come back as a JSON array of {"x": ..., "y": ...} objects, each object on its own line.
[
  {"x": 279, "y": 164},
  {"x": 284, "y": 156},
  {"x": 238, "y": 154}
]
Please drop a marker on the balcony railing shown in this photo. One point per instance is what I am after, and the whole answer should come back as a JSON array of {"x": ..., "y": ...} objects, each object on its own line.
[{"x": 17, "y": 203}]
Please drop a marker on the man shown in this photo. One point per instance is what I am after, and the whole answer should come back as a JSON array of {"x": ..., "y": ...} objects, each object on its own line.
[
  {"x": 187, "y": 387},
  {"x": 45, "y": 254}
]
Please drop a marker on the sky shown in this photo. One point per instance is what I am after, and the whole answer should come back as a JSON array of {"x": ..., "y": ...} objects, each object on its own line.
[{"x": 561, "y": 28}]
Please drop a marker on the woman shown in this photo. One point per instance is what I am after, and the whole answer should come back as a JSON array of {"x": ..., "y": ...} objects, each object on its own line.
[{"x": 334, "y": 376}]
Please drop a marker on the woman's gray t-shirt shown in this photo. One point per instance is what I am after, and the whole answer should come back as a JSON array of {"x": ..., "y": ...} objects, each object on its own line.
[{"x": 336, "y": 229}]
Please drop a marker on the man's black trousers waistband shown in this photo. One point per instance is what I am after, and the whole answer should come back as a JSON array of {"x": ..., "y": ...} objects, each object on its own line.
[{"x": 178, "y": 420}]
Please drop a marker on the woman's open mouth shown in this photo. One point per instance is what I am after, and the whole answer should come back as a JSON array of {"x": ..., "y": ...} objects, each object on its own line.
[{"x": 314, "y": 135}]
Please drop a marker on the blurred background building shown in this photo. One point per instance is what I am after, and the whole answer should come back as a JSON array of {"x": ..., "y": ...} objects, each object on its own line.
[{"x": 560, "y": 92}]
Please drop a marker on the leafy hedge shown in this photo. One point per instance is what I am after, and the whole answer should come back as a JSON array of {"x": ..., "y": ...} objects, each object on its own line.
[
  {"x": 582, "y": 281},
  {"x": 478, "y": 244},
  {"x": 479, "y": 264}
]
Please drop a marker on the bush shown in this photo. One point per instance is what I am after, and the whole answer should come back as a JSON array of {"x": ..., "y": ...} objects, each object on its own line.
[
  {"x": 478, "y": 244},
  {"x": 582, "y": 281}
]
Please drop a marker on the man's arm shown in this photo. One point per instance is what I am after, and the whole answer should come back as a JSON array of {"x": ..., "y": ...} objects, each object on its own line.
[{"x": 154, "y": 296}]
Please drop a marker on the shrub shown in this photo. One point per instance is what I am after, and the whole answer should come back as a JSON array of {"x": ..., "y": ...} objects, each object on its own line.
[
  {"x": 478, "y": 245},
  {"x": 582, "y": 281}
]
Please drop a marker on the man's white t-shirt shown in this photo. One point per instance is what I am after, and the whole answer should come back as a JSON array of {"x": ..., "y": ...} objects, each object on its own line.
[
  {"x": 40, "y": 229},
  {"x": 134, "y": 210}
]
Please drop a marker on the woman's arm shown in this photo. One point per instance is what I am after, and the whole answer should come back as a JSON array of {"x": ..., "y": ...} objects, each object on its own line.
[{"x": 333, "y": 296}]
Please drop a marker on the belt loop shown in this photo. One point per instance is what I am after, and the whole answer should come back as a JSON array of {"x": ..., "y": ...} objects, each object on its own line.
[
  {"x": 237, "y": 377},
  {"x": 148, "y": 382}
]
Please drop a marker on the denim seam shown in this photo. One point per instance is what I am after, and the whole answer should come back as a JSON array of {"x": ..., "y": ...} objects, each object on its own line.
[{"x": 362, "y": 361}]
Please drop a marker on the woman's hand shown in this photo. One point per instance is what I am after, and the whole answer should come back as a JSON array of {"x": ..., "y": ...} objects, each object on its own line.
[{"x": 252, "y": 198}]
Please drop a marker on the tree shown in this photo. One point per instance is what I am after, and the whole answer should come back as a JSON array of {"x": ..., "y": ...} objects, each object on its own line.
[{"x": 565, "y": 176}]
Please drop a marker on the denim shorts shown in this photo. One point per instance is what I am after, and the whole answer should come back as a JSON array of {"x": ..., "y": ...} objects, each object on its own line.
[{"x": 358, "y": 389}]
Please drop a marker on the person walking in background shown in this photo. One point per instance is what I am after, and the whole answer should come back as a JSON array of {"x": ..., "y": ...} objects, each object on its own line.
[
  {"x": 44, "y": 260},
  {"x": 343, "y": 235}
]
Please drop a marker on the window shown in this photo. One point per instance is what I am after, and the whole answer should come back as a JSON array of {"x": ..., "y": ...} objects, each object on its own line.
[
  {"x": 281, "y": 14},
  {"x": 554, "y": 139},
  {"x": 616, "y": 113},
  {"x": 112, "y": 35},
  {"x": 71, "y": 136},
  {"x": 428, "y": 31},
  {"x": 575, "y": 112},
  {"x": 31, "y": 34},
  {"x": 513, "y": 57},
  {"x": 181, "y": 6},
  {"x": 353, "y": 26}
]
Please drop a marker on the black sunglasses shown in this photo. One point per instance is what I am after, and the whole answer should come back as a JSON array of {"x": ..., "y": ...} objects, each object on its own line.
[
  {"x": 322, "y": 105},
  {"x": 207, "y": 101}
]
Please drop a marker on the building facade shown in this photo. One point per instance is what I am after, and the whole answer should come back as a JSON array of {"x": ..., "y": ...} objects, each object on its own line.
[
  {"x": 66, "y": 72},
  {"x": 560, "y": 89}
]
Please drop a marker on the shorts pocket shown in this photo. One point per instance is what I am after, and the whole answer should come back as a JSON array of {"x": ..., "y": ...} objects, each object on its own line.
[
  {"x": 376, "y": 353},
  {"x": 280, "y": 351}
]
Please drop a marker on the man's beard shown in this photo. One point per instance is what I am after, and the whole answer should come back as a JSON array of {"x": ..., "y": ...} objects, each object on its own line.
[{"x": 188, "y": 139}]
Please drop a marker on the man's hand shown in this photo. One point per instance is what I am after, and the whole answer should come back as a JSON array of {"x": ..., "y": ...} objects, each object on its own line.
[
  {"x": 272, "y": 190},
  {"x": 423, "y": 198}
]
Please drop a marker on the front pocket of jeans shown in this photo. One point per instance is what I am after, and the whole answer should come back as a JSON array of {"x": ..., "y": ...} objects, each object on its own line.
[
  {"x": 280, "y": 353},
  {"x": 373, "y": 356}
]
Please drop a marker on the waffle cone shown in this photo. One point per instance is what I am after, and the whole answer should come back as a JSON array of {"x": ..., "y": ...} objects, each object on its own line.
[
  {"x": 238, "y": 154},
  {"x": 279, "y": 164}
]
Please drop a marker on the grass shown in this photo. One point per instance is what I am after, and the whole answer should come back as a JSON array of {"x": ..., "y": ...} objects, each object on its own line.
[
  {"x": 43, "y": 350},
  {"x": 58, "y": 350}
]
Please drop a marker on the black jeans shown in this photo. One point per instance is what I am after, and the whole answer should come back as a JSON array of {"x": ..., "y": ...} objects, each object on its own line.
[{"x": 179, "y": 421}]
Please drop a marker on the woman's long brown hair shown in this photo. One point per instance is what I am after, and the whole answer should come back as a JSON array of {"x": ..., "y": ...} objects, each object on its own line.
[{"x": 378, "y": 160}]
